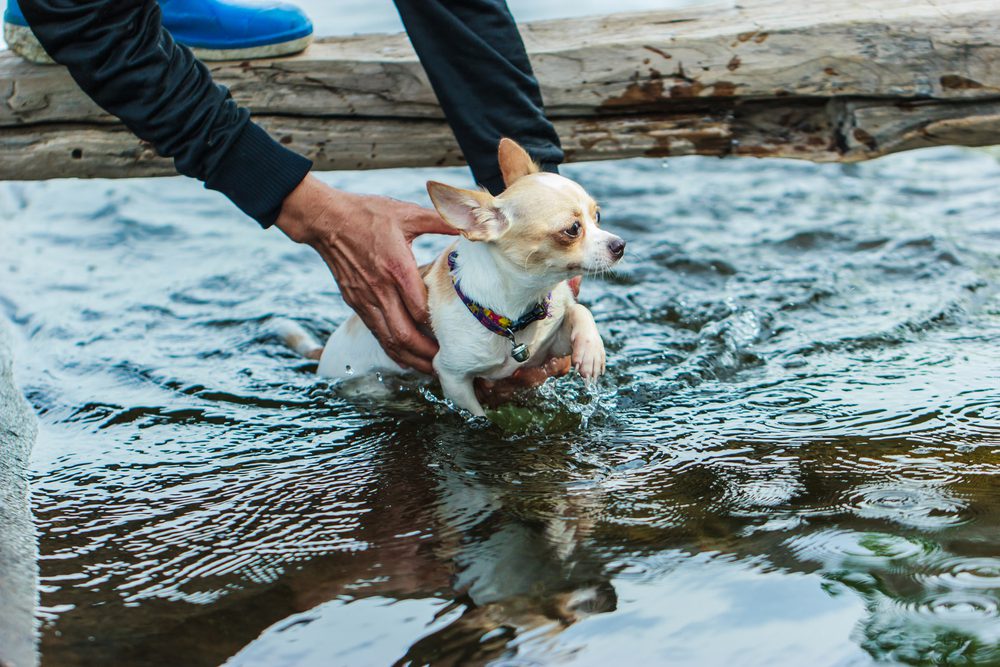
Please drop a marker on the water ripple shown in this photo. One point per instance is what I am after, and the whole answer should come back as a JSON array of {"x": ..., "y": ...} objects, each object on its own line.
[
  {"x": 964, "y": 573},
  {"x": 840, "y": 548},
  {"x": 920, "y": 506}
]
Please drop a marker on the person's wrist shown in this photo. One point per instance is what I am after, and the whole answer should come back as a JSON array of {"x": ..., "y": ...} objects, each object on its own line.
[{"x": 305, "y": 215}]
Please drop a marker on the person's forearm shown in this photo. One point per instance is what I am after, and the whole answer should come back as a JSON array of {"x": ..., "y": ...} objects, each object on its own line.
[
  {"x": 476, "y": 62},
  {"x": 118, "y": 53}
]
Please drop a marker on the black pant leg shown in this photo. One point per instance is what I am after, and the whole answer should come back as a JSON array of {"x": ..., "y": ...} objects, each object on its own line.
[{"x": 475, "y": 59}]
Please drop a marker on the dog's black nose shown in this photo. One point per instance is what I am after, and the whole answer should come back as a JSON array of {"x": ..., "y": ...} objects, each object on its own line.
[{"x": 617, "y": 247}]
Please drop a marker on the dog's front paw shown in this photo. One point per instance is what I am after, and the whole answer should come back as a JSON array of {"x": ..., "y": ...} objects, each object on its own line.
[{"x": 588, "y": 355}]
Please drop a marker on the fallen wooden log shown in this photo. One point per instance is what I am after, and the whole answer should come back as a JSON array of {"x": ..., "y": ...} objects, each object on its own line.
[{"x": 822, "y": 81}]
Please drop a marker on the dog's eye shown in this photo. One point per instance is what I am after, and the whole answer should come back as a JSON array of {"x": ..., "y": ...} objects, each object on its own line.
[
  {"x": 598, "y": 217},
  {"x": 573, "y": 230}
]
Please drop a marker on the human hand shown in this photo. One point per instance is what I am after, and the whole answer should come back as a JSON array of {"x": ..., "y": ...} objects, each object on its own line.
[
  {"x": 493, "y": 393},
  {"x": 365, "y": 240}
]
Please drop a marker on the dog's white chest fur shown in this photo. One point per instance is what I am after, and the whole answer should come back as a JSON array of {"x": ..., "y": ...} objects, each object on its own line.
[{"x": 468, "y": 347}]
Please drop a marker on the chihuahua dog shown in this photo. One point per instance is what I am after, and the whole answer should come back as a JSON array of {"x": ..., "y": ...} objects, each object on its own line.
[{"x": 498, "y": 297}]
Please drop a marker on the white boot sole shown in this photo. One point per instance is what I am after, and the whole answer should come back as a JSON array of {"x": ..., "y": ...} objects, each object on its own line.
[
  {"x": 254, "y": 52},
  {"x": 23, "y": 42}
]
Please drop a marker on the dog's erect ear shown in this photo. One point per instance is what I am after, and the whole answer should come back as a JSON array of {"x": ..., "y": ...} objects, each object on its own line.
[
  {"x": 514, "y": 161},
  {"x": 473, "y": 213}
]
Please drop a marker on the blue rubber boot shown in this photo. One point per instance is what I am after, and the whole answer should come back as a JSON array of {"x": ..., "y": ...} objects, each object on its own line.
[
  {"x": 19, "y": 37},
  {"x": 213, "y": 29},
  {"x": 12, "y": 15}
]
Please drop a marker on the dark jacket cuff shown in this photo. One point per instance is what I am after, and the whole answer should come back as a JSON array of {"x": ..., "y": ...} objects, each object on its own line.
[{"x": 257, "y": 173}]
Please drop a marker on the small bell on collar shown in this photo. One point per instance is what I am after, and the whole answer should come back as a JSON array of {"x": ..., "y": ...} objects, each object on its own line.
[{"x": 520, "y": 353}]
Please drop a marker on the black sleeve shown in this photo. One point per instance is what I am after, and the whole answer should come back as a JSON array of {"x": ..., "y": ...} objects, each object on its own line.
[
  {"x": 120, "y": 55},
  {"x": 476, "y": 62}
]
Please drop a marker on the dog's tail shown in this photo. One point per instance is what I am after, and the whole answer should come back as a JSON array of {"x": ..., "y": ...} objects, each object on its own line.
[{"x": 297, "y": 338}]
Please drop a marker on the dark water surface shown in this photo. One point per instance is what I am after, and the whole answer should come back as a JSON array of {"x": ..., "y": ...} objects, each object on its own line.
[{"x": 793, "y": 459}]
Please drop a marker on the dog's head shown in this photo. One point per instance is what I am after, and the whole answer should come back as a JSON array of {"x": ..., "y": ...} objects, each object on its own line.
[{"x": 543, "y": 223}]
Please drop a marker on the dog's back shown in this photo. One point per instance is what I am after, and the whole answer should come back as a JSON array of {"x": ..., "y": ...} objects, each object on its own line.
[{"x": 353, "y": 351}]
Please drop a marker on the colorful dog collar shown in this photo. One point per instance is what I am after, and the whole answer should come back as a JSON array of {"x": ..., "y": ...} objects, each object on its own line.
[{"x": 497, "y": 323}]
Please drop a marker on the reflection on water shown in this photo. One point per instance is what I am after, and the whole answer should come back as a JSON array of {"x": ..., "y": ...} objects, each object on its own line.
[{"x": 793, "y": 460}]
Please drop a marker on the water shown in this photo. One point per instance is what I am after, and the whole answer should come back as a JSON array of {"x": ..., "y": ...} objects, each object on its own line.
[{"x": 793, "y": 459}]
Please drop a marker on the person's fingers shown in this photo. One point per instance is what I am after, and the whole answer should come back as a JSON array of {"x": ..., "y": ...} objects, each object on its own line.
[
  {"x": 373, "y": 318},
  {"x": 427, "y": 221},
  {"x": 554, "y": 366},
  {"x": 412, "y": 290},
  {"x": 379, "y": 279},
  {"x": 495, "y": 394},
  {"x": 529, "y": 378},
  {"x": 407, "y": 359},
  {"x": 371, "y": 315},
  {"x": 532, "y": 377},
  {"x": 574, "y": 285},
  {"x": 559, "y": 366},
  {"x": 387, "y": 331},
  {"x": 404, "y": 329},
  {"x": 420, "y": 365}
]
